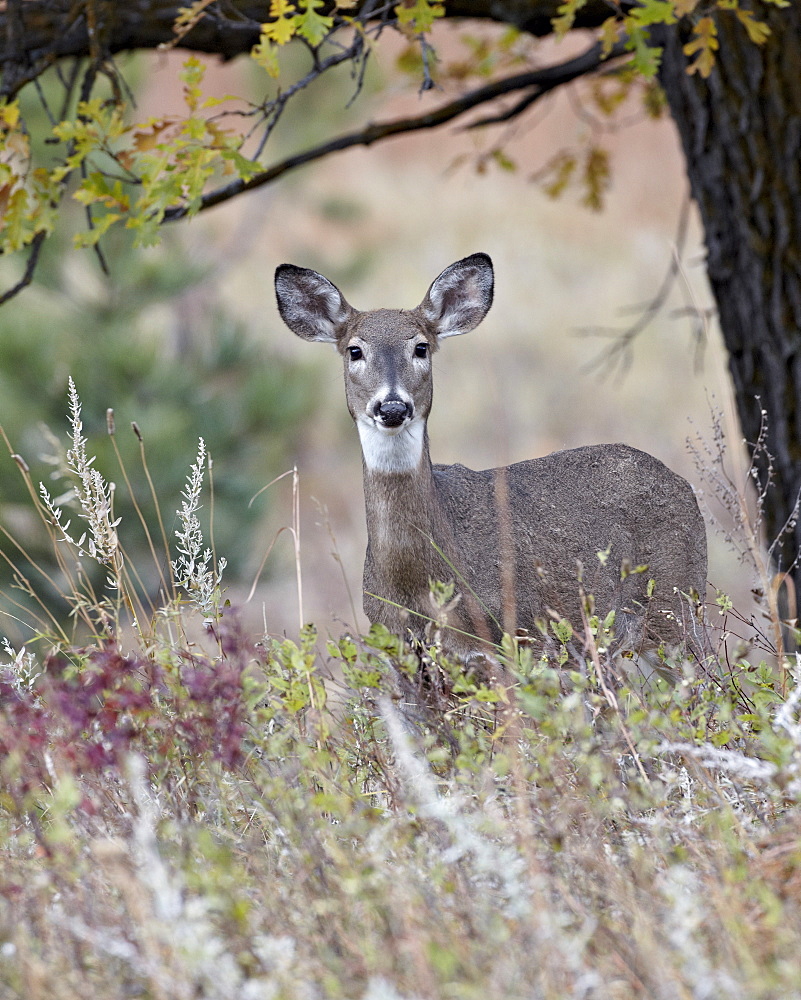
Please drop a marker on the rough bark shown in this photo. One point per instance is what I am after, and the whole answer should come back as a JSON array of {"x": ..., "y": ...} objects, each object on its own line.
[{"x": 741, "y": 131}]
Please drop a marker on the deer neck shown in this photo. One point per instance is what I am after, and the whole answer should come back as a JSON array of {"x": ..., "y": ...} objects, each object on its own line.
[
  {"x": 400, "y": 495},
  {"x": 403, "y": 453}
]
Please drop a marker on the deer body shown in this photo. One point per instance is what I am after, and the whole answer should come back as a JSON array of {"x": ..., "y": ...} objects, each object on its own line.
[{"x": 521, "y": 542}]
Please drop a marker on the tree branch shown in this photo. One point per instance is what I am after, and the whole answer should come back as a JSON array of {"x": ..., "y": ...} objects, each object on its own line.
[
  {"x": 538, "y": 82},
  {"x": 30, "y": 268},
  {"x": 38, "y": 33},
  {"x": 45, "y": 31}
]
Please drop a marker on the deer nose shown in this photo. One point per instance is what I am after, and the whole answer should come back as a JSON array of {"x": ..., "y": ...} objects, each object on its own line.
[{"x": 393, "y": 412}]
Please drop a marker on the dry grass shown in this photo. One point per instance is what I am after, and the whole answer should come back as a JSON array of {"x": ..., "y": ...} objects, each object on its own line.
[
  {"x": 342, "y": 856},
  {"x": 188, "y": 812}
]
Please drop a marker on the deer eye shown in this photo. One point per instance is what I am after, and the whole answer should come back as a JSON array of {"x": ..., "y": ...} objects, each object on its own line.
[
  {"x": 355, "y": 353},
  {"x": 421, "y": 350}
]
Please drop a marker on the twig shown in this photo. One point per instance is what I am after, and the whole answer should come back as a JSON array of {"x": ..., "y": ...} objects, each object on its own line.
[
  {"x": 544, "y": 80},
  {"x": 618, "y": 354},
  {"x": 33, "y": 259}
]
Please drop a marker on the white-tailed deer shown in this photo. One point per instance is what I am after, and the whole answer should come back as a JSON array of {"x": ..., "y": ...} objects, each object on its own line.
[{"x": 520, "y": 543}]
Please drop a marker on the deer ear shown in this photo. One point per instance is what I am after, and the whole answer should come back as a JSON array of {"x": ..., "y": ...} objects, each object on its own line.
[
  {"x": 310, "y": 305},
  {"x": 460, "y": 297}
]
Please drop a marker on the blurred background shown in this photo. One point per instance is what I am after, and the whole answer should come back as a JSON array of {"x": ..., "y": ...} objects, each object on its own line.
[{"x": 185, "y": 338}]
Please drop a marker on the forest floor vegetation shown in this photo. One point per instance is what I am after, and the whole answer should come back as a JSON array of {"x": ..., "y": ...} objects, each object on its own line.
[{"x": 191, "y": 811}]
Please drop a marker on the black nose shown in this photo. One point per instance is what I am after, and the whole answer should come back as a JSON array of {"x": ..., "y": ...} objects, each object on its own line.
[{"x": 392, "y": 412}]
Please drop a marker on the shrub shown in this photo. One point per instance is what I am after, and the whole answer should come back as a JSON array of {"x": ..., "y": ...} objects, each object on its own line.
[{"x": 186, "y": 812}]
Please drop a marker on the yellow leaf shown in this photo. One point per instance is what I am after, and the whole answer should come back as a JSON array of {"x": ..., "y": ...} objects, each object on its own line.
[
  {"x": 281, "y": 26},
  {"x": 685, "y": 6},
  {"x": 703, "y": 46},
  {"x": 148, "y": 137},
  {"x": 213, "y": 102},
  {"x": 596, "y": 178},
  {"x": 705, "y": 32},
  {"x": 281, "y": 8},
  {"x": 758, "y": 31},
  {"x": 280, "y": 31},
  {"x": 9, "y": 114},
  {"x": 192, "y": 74}
]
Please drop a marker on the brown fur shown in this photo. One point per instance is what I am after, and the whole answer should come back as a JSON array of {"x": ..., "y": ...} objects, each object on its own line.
[{"x": 521, "y": 543}]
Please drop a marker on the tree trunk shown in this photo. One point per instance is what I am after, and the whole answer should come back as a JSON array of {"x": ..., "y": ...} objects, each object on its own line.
[{"x": 741, "y": 131}]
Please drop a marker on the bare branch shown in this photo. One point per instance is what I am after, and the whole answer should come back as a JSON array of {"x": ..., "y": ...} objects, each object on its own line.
[
  {"x": 273, "y": 110},
  {"x": 30, "y": 268},
  {"x": 617, "y": 356},
  {"x": 539, "y": 82}
]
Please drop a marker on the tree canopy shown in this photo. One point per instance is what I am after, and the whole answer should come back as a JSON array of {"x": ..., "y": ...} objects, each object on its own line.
[{"x": 144, "y": 174}]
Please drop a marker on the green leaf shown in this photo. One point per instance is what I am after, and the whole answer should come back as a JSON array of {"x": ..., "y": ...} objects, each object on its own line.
[
  {"x": 243, "y": 167},
  {"x": 194, "y": 129},
  {"x": 358, "y": 678},
  {"x": 566, "y": 16},
  {"x": 265, "y": 54},
  {"x": 654, "y": 12},
  {"x": 101, "y": 225},
  {"x": 504, "y": 161},
  {"x": 596, "y": 179},
  {"x": 313, "y": 26},
  {"x": 561, "y": 169},
  {"x": 418, "y": 16},
  {"x": 96, "y": 187},
  {"x": 146, "y": 228},
  {"x": 647, "y": 58},
  {"x": 724, "y": 602},
  {"x": 15, "y": 225},
  {"x": 192, "y": 75},
  {"x": 609, "y": 34},
  {"x": 562, "y": 630},
  {"x": 345, "y": 649}
]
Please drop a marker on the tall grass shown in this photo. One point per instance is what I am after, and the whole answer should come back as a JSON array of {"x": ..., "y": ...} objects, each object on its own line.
[{"x": 190, "y": 811}]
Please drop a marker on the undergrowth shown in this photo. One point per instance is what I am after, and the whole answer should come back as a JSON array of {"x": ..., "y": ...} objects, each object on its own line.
[{"x": 188, "y": 811}]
